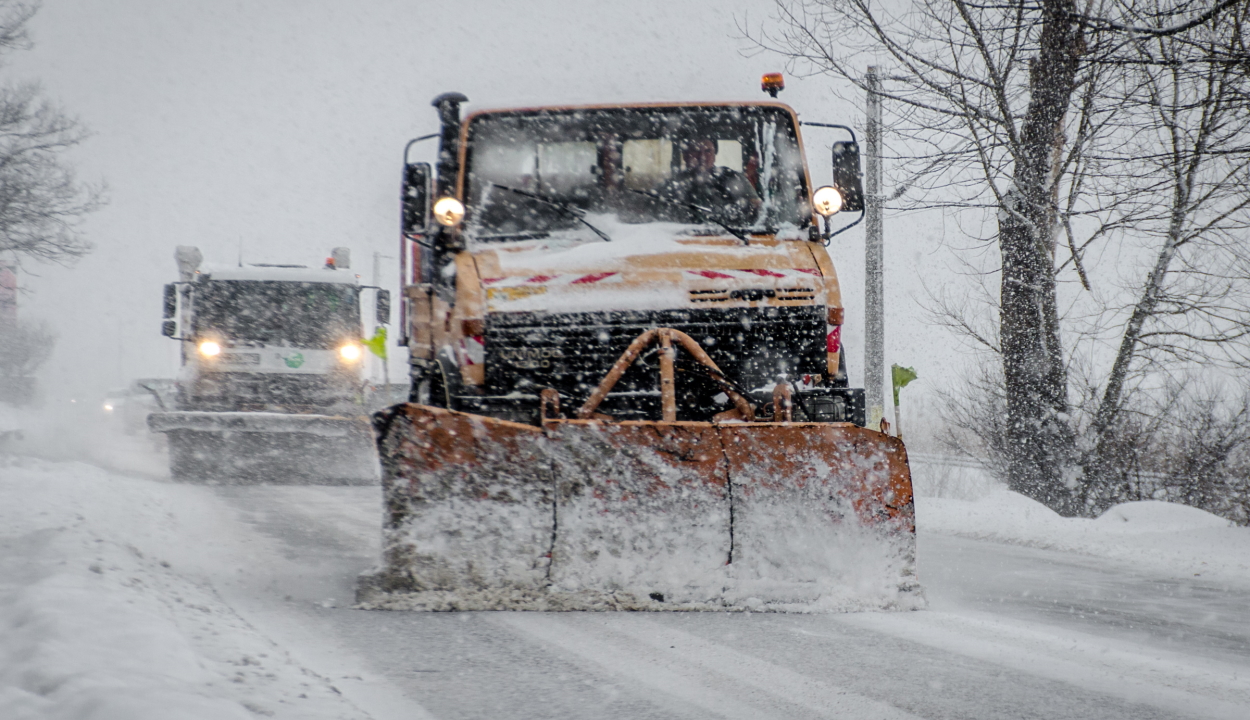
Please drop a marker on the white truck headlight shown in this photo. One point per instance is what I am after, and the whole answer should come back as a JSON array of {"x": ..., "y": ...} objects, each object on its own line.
[
  {"x": 448, "y": 211},
  {"x": 827, "y": 201}
]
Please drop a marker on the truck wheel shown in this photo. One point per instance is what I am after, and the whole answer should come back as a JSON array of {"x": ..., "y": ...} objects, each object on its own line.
[
  {"x": 437, "y": 387},
  {"x": 445, "y": 383},
  {"x": 419, "y": 390},
  {"x": 427, "y": 384},
  {"x": 431, "y": 386}
]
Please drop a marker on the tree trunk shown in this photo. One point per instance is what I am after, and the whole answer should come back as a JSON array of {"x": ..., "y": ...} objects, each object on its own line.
[
  {"x": 1101, "y": 462},
  {"x": 1039, "y": 438},
  {"x": 1185, "y": 168}
]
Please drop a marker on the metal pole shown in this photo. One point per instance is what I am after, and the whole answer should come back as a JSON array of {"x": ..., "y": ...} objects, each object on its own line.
[{"x": 874, "y": 287}]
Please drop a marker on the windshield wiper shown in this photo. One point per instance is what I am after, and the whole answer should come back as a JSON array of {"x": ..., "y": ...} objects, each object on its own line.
[
  {"x": 519, "y": 235},
  {"x": 706, "y": 213},
  {"x": 563, "y": 207}
]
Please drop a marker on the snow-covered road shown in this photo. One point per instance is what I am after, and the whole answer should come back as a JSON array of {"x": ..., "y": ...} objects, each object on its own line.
[
  {"x": 1012, "y": 632},
  {"x": 1183, "y": 615},
  {"x": 263, "y": 578}
]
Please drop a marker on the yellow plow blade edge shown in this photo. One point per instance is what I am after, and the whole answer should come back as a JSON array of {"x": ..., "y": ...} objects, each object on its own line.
[{"x": 579, "y": 514}]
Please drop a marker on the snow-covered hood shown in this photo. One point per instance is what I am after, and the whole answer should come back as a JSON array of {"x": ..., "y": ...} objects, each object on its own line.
[{"x": 642, "y": 271}]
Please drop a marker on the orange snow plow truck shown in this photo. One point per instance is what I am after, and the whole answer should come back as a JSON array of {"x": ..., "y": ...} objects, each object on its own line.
[{"x": 628, "y": 388}]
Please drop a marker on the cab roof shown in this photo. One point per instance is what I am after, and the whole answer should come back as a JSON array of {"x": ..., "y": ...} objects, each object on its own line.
[
  {"x": 278, "y": 274},
  {"x": 530, "y": 110}
]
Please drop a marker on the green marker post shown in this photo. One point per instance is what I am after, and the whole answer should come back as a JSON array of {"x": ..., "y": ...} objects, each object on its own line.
[
  {"x": 377, "y": 346},
  {"x": 901, "y": 376}
]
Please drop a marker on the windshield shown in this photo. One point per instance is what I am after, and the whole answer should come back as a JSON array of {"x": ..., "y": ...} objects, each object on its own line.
[
  {"x": 534, "y": 173},
  {"x": 294, "y": 314}
]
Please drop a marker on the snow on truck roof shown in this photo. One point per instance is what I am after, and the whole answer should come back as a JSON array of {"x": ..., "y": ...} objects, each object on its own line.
[
  {"x": 277, "y": 273},
  {"x": 553, "y": 109}
]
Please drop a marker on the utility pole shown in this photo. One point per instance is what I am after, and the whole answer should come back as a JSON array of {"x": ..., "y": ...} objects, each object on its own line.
[{"x": 874, "y": 286}]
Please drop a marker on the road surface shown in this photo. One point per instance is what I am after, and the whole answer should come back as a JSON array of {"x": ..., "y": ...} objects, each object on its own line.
[{"x": 1011, "y": 632}]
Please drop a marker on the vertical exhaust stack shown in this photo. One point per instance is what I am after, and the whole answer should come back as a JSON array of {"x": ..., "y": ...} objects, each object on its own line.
[
  {"x": 342, "y": 258},
  {"x": 448, "y": 105},
  {"x": 188, "y": 258}
]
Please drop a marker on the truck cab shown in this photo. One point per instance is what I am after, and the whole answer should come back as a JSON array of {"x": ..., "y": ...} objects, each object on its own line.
[
  {"x": 549, "y": 238},
  {"x": 268, "y": 338},
  {"x": 271, "y": 382},
  {"x": 628, "y": 388}
]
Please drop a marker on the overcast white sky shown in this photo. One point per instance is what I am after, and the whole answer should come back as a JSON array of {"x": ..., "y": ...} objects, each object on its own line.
[{"x": 278, "y": 126}]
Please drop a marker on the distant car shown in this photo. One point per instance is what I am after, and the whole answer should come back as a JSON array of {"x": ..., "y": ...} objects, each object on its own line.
[{"x": 130, "y": 406}]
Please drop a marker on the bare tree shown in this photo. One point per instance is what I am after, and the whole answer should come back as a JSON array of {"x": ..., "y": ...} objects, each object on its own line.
[
  {"x": 41, "y": 202},
  {"x": 1191, "y": 123},
  {"x": 1199, "y": 454},
  {"x": 1186, "y": 442},
  {"x": 1006, "y": 103}
]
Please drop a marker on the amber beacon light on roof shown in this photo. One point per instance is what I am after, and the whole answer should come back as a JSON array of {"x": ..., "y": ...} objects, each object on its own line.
[{"x": 773, "y": 83}]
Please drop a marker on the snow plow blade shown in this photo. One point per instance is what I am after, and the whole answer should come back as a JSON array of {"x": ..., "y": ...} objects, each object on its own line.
[
  {"x": 257, "y": 447},
  {"x": 485, "y": 514}
]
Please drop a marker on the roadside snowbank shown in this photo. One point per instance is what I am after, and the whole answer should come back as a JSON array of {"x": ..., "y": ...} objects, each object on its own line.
[
  {"x": 103, "y": 613},
  {"x": 1152, "y": 535}
]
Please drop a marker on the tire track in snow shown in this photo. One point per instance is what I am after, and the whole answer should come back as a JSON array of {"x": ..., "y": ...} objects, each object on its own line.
[
  {"x": 688, "y": 668},
  {"x": 1137, "y": 673}
]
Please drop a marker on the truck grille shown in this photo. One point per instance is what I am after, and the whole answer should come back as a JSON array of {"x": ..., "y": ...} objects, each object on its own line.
[
  {"x": 572, "y": 352},
  {"x": 803, "y": 294},
  {"x": 234, "y": 391}
]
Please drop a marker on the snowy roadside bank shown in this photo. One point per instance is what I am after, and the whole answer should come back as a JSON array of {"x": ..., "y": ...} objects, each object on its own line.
[
  {"x": 958, "y": 497},
  {"x": 103, "y": 616},
  {"x": 1150, "y": 536}
]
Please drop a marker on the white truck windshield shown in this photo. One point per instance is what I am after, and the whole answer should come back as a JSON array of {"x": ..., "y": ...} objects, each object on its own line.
[{"x": 268, "y": 312}]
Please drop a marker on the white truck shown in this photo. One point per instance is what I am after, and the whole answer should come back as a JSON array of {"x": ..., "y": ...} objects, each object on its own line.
[{"x": 271, "y": 387}]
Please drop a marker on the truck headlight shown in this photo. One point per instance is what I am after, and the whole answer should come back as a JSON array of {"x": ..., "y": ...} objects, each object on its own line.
[
  {"x": 208, "y": 348},
  {"x": 350, "y": 352},
  {"x": 448, "y": 211},
  {"x": 827, "y": 201}
]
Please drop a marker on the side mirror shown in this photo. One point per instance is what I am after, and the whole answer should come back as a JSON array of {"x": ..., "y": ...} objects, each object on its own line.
[
  {"x": 169, "y": 328},
  {"x": 848, "y": 178},
  {"x": 382, "y": 306},
  {"x": 171, "y": 301},
  {"x": 415, "y": 199}
]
